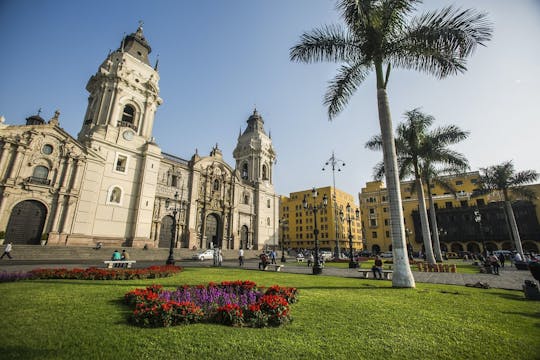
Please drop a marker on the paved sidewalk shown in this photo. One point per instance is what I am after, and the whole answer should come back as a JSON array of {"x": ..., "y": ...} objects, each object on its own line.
[{"x": 510, "y": 278}]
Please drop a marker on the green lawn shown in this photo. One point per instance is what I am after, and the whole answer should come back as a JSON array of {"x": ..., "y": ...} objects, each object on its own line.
[
  {"x": 462, "y": 267},
  {"x": 335, "y": 318}
]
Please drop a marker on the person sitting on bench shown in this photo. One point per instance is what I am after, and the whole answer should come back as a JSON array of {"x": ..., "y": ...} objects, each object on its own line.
[
  {"x": 377, "y": 268},
  {"x": 264, "y": 261}
]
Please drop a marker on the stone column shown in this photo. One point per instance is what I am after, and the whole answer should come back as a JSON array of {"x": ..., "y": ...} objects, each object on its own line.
[
  {"x": 77, "y": 173},
  {"x": 67, "y": 174},
  {"x": 4, "y": 158},
  {"x": 16, "y": 162}
]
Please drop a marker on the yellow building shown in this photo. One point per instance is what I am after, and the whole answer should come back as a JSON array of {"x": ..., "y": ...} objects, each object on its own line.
[
  {"x": 458, "y": 229},
  {"x": 298, "y": 233}
]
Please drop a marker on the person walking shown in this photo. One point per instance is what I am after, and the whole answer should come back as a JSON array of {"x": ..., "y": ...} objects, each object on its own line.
[
  {"x": 501, "y": 259},
  {"x": 241, "y": 257},
  {"x": 220, "y": 257},
  {"x": 7, "y": 250}
]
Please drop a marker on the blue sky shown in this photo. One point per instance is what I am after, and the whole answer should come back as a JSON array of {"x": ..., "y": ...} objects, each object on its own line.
[{"x": 220, "y": 59}]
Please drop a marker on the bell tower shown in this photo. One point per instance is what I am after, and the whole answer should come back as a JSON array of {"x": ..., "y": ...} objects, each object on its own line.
[
  {"x": 254, "y": 153},
  {"x": 117, "y": 129},
  {"x": 124, "y": 94}
]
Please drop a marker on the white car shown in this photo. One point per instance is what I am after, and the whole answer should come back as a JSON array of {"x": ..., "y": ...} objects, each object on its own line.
[
  {"x": 387, "y": 254},
  {"x": 205, "y": 255}
]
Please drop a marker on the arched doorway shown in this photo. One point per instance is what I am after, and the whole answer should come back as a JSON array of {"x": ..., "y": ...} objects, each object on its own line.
[
  {"x": 529, "y": 246},
  {"x": 212, "y": 231},
  {"x": 244, "y": 238},
  {"x": 456, "y": 247},
  {"x": 473, "y": 248},
  {"x": 491, "y": 246},
  {"x": 26, "y": 223},
  {"x": 375, "y": 249},
  {"x": 165, "y": 234}
]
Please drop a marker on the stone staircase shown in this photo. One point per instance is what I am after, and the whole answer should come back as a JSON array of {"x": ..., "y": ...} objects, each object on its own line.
[{"x": 86, "y": 254}]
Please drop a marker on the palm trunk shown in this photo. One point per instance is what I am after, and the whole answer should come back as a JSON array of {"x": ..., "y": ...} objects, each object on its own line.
[
  {"x": 513, "y": 226},
  {"x": 424, "y": 221},
  {"x": 402, "y": 276},
  {"x": 434, "y": 227}
]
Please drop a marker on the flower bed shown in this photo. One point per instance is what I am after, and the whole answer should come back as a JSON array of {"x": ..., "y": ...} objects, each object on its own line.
[
  {"x": 233, "y": 303},
  {"x": 152, "y": 272}
]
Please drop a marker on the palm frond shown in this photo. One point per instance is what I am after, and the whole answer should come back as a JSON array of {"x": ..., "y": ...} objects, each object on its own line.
[
  {"x": 375, "y": 143},
  {"x": 378, "y": 171},
  {"x": 328, "y": 43},
  {"x": 439, "y": 42},
  {"x": 524, "y": 177},
  {"x": 342, "y": 87},
  {"x": 448, "y": 135}
]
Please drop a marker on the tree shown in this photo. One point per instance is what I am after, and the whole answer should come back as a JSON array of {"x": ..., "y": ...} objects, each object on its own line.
[
  {"x": 379, "y": 35},
  {"x": 504, "y": 179},
  {"x": 418, "y": 151}
]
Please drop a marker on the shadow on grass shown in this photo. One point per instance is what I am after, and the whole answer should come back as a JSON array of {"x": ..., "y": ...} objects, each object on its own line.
[
  {"x": 516, "y": 297},
  {"x": 25, "y": 352},
  {"x": 524, "y": 314}
]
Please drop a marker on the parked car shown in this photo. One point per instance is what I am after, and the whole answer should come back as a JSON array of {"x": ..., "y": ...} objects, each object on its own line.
[
  {"x": 205, "y": 255},
  {"x": 386, "y": 254}
]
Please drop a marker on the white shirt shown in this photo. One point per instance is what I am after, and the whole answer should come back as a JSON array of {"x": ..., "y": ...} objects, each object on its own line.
[
  {"x": 517, "y": 257},
  {"x": 8, "y": 247},
  {"x": 241, "y": 252}
]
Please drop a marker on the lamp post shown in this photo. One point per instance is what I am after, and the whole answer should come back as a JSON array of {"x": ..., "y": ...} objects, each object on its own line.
[
  {"x": 478, "y": 219},
  {"x": 336, "y": 164},
  {"x": 283, "y": 223},
  {"x": 409, "y": 246},
  {"x": 317, "y": 266},
  {"x": 170, "y": 259},
  {"x": 444, "y": 248},
  {"x": 352, "y": 263}
]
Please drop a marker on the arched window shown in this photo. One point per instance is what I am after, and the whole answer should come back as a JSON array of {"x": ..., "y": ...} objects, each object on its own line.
[
  {"x": 40, "y": 172},
  {"x": 128, "y": 115},
  {"x": 264, "y": 173},
  {"x": 216, "y": 185},
  {"x": 246, "y": 199},
  {"x": 268, "y": 221},
  {"x": 245, "y": 171},
  {"x": 115, "y": 195}
]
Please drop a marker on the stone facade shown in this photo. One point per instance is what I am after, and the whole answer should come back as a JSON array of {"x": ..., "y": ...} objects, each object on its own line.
[{"x": 114, "y": 185}]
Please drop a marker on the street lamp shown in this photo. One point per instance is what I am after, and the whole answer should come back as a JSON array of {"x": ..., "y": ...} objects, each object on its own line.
[
  {"x": 352, "y": 263},
  {"x": 317, "y": 266},
  {"x": 283, "y": 223},
  {"x": 336, "y": 164},
  {"x": 409, "y": 246},
  {"x": 478, "y": 219},
  {"x": 170, "y": 259}
]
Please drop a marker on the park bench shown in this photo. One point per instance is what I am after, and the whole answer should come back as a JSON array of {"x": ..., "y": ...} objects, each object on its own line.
[
  {"x": 120, "y": 263},
  {"x": 386, "y": 274},
  {"x": 275, "y": 267}
]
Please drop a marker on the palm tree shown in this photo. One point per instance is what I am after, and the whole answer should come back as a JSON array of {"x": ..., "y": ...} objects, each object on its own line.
[
  {"x": 504, "y": 179},
  {"x": 432, "y": 175},
  {"x": 418, "y": 150},
  {"x": 380, "y": 34}
]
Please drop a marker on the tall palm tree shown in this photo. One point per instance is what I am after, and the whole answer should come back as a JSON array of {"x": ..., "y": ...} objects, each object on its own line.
[
  {"x": 379, "y": 35},
  {"x": 504, "y": 179},
  {"x": 432, "y": 175},
  {"x": 418, "y": 150}
]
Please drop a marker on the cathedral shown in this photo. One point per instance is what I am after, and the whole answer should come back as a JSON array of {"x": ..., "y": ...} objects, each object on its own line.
[{"x": 113, "y": 185}]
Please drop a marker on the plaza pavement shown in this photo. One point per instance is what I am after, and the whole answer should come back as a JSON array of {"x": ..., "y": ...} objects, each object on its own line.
[{"x": 510, "y": 278}]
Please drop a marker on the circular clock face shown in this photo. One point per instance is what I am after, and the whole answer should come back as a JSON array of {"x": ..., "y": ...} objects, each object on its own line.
[{"x": 128, "y": 135}]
